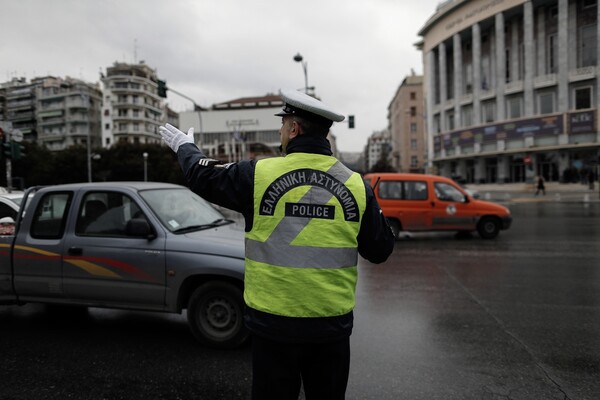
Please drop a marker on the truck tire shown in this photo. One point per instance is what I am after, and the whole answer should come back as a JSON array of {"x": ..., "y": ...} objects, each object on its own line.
[
  {"x": 215, "y": 315},
  {"x": 488, "y": 227}
]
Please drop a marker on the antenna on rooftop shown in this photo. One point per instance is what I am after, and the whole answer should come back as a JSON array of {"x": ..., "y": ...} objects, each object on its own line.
[{"x": 135, "y": 51}]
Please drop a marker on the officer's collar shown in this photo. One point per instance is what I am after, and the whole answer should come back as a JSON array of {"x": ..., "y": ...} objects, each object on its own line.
[{"x": 309, "y": 144}]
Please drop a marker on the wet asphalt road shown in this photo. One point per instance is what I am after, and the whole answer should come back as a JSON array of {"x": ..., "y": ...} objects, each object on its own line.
[{"x": 517, "y": 317}]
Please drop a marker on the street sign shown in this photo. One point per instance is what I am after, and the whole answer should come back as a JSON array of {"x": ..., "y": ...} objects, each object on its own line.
[{"x": 16, "y": 135}]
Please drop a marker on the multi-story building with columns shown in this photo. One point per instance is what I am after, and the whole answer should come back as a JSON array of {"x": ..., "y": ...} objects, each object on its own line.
[{"x": 512, "y": 89}]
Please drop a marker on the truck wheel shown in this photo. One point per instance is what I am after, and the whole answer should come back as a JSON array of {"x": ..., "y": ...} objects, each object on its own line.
[
  {"x": 488, "y": 227},
  {"x": 395, "y": 225},
  {"x": 215, "y": 315}
]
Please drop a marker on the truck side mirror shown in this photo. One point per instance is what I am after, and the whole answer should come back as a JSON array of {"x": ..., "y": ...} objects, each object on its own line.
[{"x": 139, "y": 227}]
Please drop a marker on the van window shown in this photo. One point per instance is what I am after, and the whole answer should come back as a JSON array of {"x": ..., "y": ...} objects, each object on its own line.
[
  {"x": 446, "y": 192},
  {"x": 403, "y": 190}
]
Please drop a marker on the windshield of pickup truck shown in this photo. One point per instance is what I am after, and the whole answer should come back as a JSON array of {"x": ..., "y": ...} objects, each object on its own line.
[{"x": 181, "y": 210}]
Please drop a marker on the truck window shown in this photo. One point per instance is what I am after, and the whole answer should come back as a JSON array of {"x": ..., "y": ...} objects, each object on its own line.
[
  {"x": 50, "y": 216},
  {"x": 106, "y": 214}
]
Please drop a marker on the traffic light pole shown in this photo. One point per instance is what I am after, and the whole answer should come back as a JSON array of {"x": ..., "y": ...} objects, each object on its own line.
[{"x": 9, "y": 175}]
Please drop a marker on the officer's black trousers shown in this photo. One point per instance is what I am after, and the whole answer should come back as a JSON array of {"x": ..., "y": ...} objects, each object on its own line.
[{"x": 279, "y": 369}]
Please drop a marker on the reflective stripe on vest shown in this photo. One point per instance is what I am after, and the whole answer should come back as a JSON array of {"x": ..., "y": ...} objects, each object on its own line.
[{"x": 313, "y": 233}]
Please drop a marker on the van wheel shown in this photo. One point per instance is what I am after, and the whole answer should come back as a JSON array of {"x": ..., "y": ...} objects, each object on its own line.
[
  {"x": 215, "y": 315},
  {"x": 396, "y": 228},
  {"x": 488, "y": 227}
]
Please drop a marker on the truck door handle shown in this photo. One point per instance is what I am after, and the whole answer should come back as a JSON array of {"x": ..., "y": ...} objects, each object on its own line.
[
  {"x": 75, "y": 251},
  {"x": 433, "y": 204}
]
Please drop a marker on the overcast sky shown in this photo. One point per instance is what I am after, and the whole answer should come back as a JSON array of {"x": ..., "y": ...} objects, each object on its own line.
[{"x": 357, "y": 51}]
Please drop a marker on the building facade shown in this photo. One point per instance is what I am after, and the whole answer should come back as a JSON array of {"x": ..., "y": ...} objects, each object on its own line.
[
  {"x": 512, "y": 89},
  {"x": 406, "y": 124},
  {"x": 244, "y": 128},
  {"x": 19, "y": 106},
  {"x": 378, "y": 151},
  {"x": 132, "y": 110},
  {"x": 67, "y": 112}
]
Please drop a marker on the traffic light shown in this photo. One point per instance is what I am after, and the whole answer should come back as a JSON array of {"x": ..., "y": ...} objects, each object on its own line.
[
  {"x": 162, "y": 88},
  {"x": 351, "y": 121},
  {"x": 6, "y": 148},
  {"x": 18, "y": 151}
]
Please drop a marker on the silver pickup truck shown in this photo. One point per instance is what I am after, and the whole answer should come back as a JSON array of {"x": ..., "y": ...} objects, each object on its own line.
[{"x": 128, "y": 245}]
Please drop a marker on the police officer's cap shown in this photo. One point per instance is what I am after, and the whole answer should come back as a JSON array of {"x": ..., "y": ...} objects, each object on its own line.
[{"x": 305, "y": 106}]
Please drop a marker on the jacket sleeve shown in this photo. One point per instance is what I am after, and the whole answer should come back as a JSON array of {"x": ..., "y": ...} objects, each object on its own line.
[
  {"x": 375, "y": 238},
  {"x": 227, "y": 185}
]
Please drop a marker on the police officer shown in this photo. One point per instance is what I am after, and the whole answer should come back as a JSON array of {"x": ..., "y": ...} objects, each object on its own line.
[{"x": 307, "y": 218}]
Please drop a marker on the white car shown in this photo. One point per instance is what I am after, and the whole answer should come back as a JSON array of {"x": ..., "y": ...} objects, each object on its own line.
[{"x": 9, "y": 207}]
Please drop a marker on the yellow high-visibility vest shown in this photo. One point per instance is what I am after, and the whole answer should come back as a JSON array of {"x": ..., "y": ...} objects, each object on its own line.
[{"x": 301, "y": 254}]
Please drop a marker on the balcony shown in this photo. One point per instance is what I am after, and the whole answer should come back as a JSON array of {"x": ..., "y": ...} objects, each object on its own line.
[
  {"x": 513, "y": 87},
  {"x": 543, "y": 81},
  {"x": 582, "y": 74}
]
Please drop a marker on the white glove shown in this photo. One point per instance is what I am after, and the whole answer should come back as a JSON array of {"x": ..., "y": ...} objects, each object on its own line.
[{"x": 174, "y": 138}]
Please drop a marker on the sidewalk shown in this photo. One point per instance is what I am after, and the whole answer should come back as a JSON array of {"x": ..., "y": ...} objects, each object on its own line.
[{"x": 569, "y": 192}]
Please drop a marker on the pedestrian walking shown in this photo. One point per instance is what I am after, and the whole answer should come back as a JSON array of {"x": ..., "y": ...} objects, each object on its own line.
[
  {"x": 541, "y": 187},
  {"x": 307, "y": 218}
]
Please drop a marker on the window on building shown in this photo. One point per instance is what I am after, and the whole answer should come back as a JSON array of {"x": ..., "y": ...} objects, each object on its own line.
[
  {"x": 413, "y": 144},
  {"x": 135, "y": 99},
  {"x": 507, "y": 63},
  {"x": 107, "y": 112},
  {"x": 136, "y": 127},
  {"x": 546, "y": 103},
  {"x": 467, "y": 116},
  {"x": 122, "y": 113},
  {"x": 413, "y": 111},
  {"x": 107, "y": 127},
  {"x": 514, "y": 107},
  {"x": 450, "y": 120},
  {"x": 583, "y": 98},
  {"x": 488, "y": 112},
  {"x": 588, "y": 4},
  {"x": 468, "y": 78},
  {"x": 413, "y": 127},
  {"x": 136, "y": 113},
  {"x": 587, "y": 46},
  {"x": 414, "y": 161},
  {"x": 436, "y": 124},
  {"x": 413, "y": 95},
  {"x": 552, "y": 54}
]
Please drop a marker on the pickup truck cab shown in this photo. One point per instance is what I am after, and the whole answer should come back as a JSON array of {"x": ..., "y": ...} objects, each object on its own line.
[
  {"x": 421, "y": 202},
  {"x": 128, "y": 245}
]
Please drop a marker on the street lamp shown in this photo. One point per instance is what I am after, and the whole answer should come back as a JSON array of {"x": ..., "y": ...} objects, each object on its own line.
[
  {"x": 298, "y": 58},
  {"x": 145, "y": 155}
]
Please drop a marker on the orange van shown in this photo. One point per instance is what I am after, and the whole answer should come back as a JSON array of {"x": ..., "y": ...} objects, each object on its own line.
[{"x": 420, "y": 202}]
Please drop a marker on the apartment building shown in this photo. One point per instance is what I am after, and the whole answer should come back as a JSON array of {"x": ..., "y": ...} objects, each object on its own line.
[
  {"x": 17, "y": 97},
  {"x": 512, "y": 89},
  {"x": 67, "y": 112},
  {"x": 132, "y": 109},
  {"x": 406, "y": 124},
  {"x": 378, "y": 150}
]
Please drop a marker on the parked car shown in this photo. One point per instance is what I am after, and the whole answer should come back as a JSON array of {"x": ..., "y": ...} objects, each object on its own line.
[
  {"x": 9, "y": 207},
  {"x": 129, "y": 245},
  {"x": 421, "y": 202}
]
